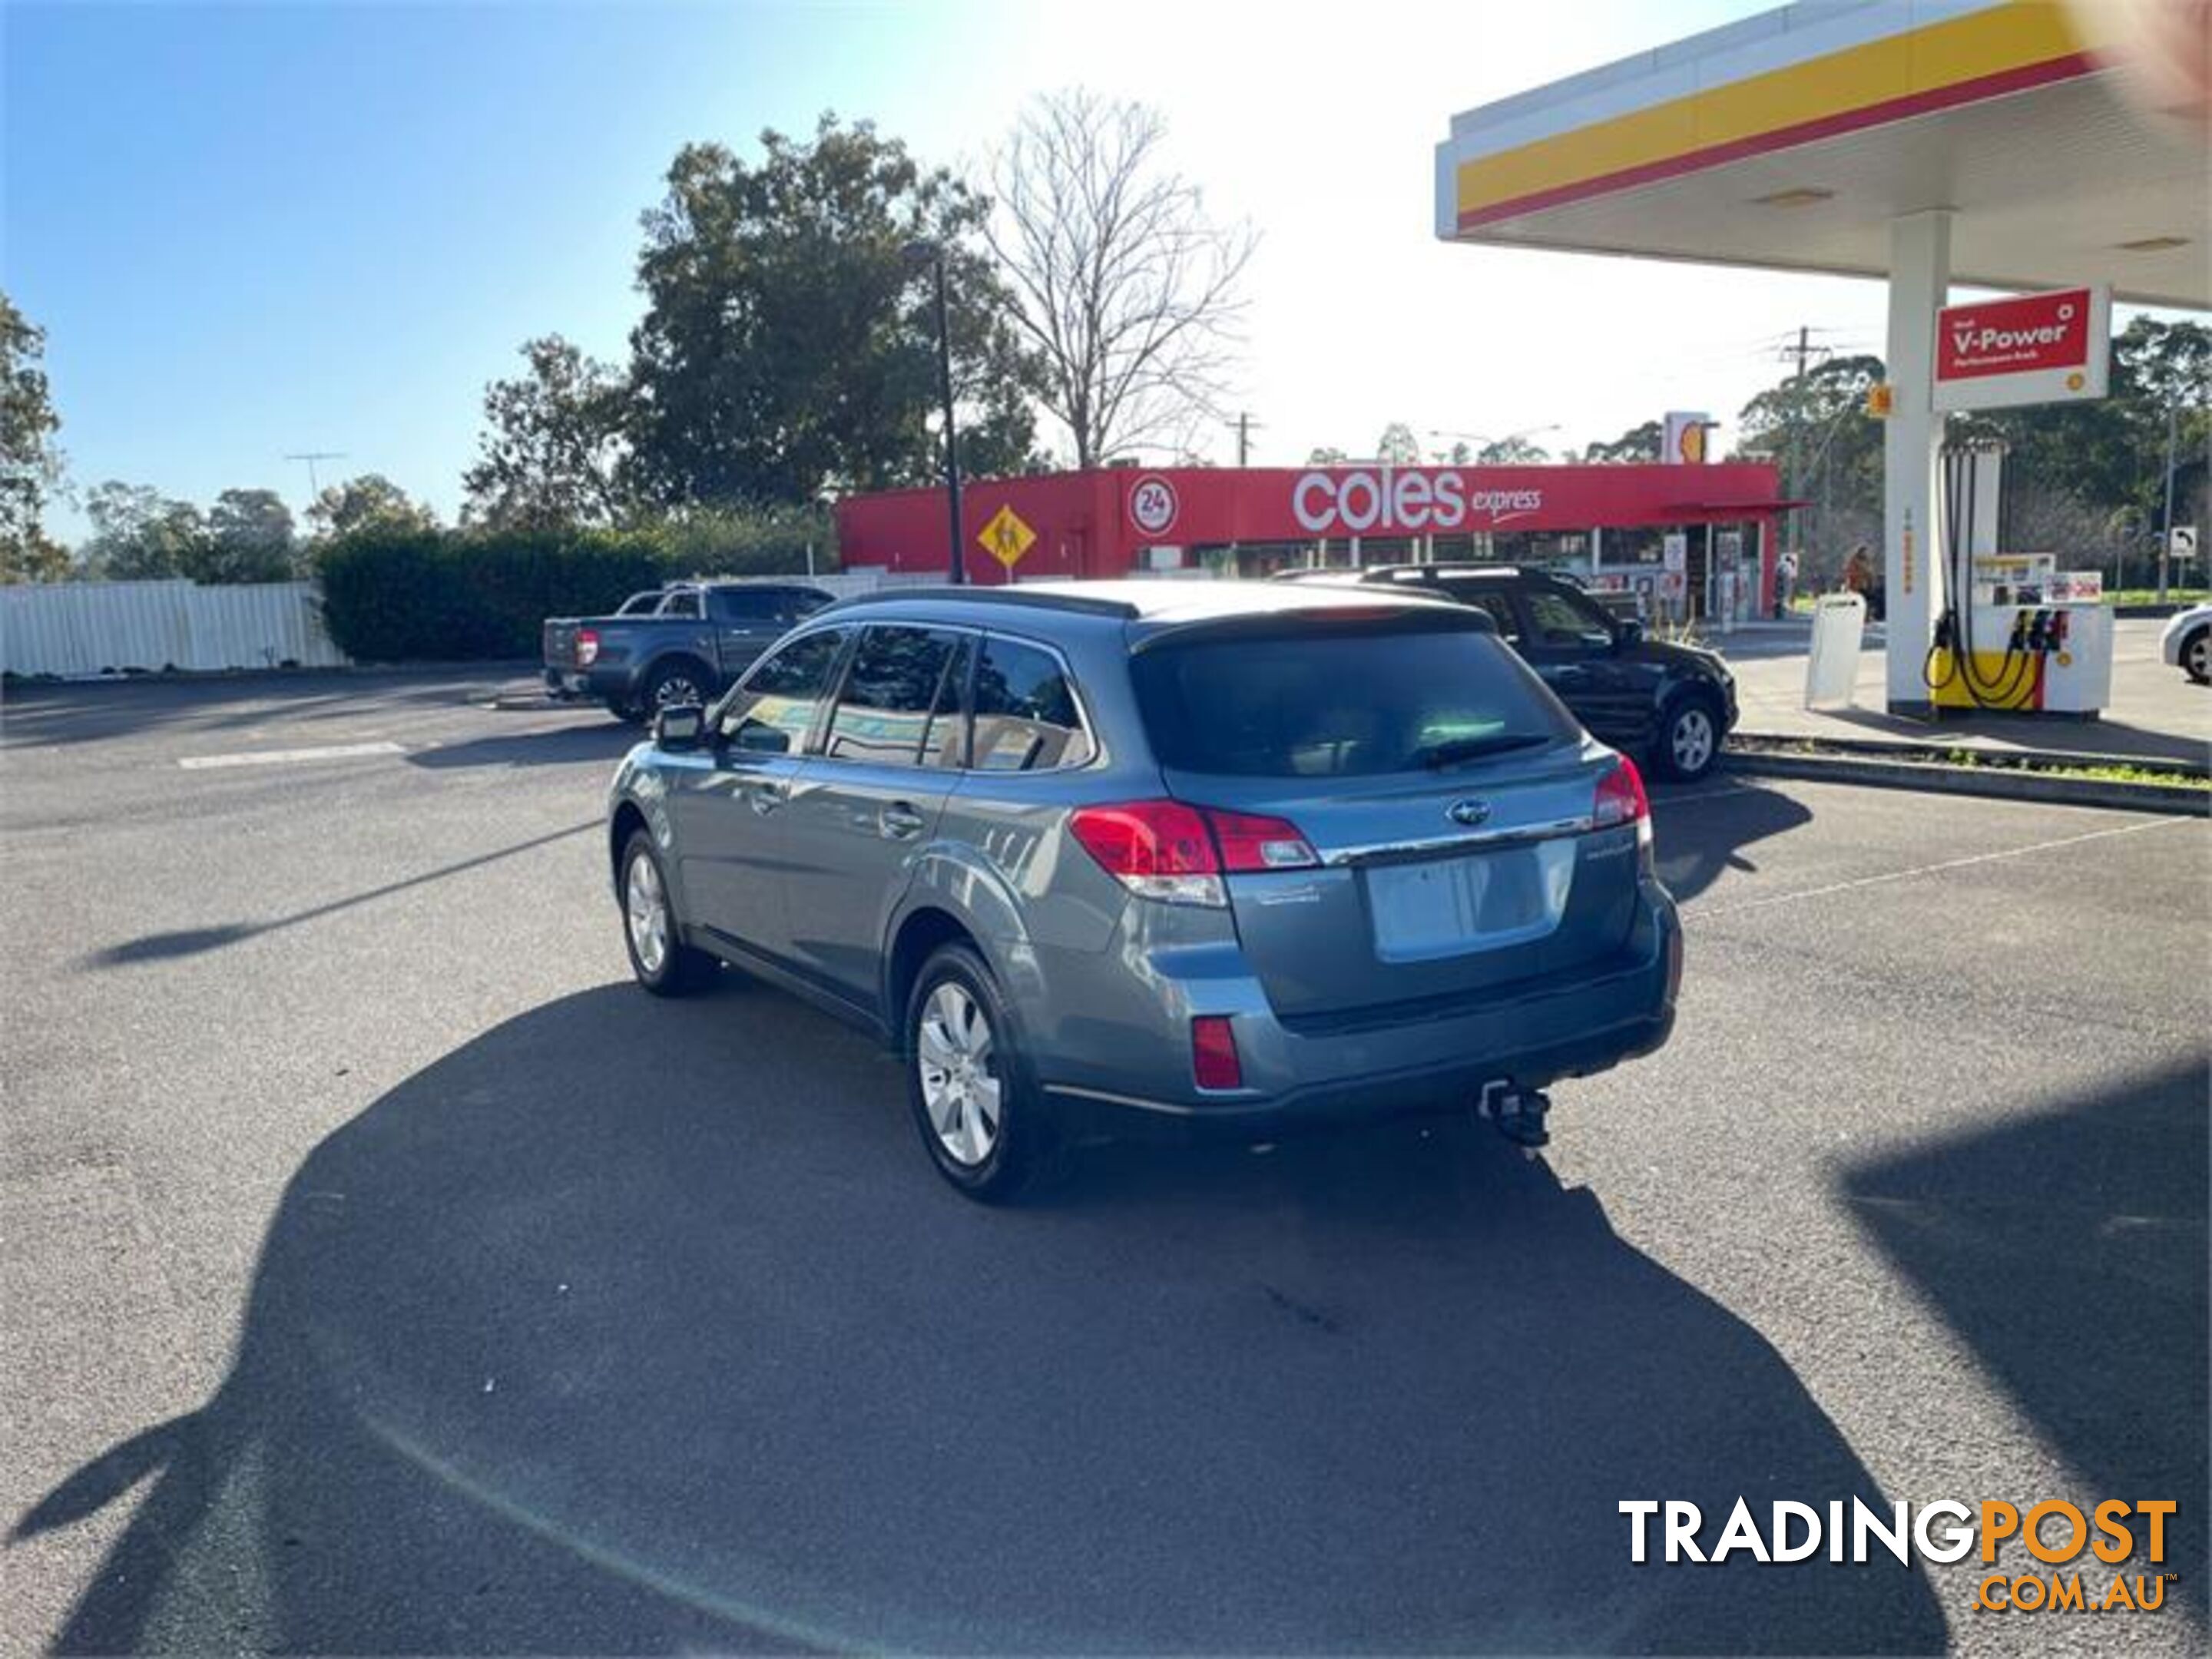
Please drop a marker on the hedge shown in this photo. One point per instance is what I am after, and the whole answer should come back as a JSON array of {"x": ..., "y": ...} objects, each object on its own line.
[{"x": 395, "y": 595}]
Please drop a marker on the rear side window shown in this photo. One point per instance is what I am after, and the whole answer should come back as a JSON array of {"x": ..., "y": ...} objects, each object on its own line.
[
  {"x": 764, "y": 604},
  {"x": 1493, "y": 602},
  {"x": 1561, "y": 618},
  {"x": 785, "y": 688},
  {"x": 738, "y": 605},
  {"x": 893, "y": 686},
  {"x": 1026, "y": 720},
  {"x": 1340, "y": 703},
  {"x": 685, "y": 604}
]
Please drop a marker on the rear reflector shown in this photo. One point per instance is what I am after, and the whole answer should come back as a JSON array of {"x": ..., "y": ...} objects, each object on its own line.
[{"x": 1213, "y": 1053}]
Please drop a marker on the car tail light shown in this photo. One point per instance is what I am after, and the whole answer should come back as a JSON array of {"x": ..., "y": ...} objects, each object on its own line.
[
  {"x": 1165, "y": 850},
  {"x": 1213, "y": 1053},
  {"x": 588, "y": 647},
  {"x": 1249, "y": 842},
  {"x": 1157, "y": 849},
  {"x": 1621, "y": 799}
]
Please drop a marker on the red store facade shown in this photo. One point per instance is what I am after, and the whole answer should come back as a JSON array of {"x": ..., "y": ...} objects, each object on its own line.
[{"x": 1606, "y": 525}]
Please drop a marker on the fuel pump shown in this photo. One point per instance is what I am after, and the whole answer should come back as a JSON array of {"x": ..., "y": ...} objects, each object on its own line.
[{"x": 2015, "y": 632}]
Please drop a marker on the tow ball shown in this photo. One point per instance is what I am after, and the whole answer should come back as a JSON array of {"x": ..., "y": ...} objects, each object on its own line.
[{"x": 1518, "y": 1113}]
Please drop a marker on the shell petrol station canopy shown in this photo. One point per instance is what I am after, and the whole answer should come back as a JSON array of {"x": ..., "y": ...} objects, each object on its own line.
[{"x": 1793, "y": 139}]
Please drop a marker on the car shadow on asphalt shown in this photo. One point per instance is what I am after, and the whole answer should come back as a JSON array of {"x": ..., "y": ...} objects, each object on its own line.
[
  {"x": 54, "y": 713},
  {"x": 1698, "y": 834},
  {"x": 636, "y": 1326},
  {"x": 603, "y": 743},
  {"x": 2068, "y": 1250},
  {"x": 195, "y": 941}
]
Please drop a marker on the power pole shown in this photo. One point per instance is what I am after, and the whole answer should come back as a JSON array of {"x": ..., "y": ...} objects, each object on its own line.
[
  {"x": 311, "y": 456},
  {"x": 1796, "y": 420},
  {"x": 1244, "y": 425}
]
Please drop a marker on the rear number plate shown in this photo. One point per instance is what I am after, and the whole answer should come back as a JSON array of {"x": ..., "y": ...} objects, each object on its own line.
[{"x": 1444, "y": 907}]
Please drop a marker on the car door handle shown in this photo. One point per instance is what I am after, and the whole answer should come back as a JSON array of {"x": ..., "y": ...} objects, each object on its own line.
[
  {"x": 899, "y": 822},
  {"x": 764, "y": 797}
]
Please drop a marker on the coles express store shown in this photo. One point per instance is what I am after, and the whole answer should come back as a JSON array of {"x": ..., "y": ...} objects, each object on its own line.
[{"x": 1112, "y": 522}]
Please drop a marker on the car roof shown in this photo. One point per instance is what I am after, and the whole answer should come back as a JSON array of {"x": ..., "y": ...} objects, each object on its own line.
[
  {"x": 1162, "y": 603},
  {"x": 1409, "y": 576}
]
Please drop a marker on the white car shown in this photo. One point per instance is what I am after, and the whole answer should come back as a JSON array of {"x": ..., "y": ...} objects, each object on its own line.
[{"x": 2187, "y": 643}]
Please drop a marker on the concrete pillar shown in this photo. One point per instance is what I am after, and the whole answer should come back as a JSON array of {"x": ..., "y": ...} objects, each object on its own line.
[{"x": 1912, "y": 572}]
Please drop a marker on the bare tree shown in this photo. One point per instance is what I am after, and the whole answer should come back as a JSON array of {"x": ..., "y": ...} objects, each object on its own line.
[{"x": 1127, "y": 289}]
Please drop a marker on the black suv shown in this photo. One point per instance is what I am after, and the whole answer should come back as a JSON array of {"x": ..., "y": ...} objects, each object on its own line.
[{"x": 1670, "y": 704}]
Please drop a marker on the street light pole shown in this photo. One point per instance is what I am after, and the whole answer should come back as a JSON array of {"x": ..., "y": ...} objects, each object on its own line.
[
  {"x": 2166, "y": 536},
  {"x": 958, "y": 569},
  {"x": 918, "y": 254}
]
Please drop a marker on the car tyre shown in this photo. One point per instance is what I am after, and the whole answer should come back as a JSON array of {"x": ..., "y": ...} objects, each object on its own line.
[
  {"x": 2197, "y": 656},
  {"x": 1690, "y": 734},
  {"x": 678, "y": 682},
  {"x": 652, "y": 933},
  {"x": 983, "y": 1119}
]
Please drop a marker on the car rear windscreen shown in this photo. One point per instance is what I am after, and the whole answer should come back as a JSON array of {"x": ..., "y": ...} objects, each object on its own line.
[{"x": 1338, "y": 701}]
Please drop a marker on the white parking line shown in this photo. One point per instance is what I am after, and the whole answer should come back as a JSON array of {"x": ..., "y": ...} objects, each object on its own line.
[
  {"x": 1703, "y": 910},
  {"x": 287, "y": 756}
]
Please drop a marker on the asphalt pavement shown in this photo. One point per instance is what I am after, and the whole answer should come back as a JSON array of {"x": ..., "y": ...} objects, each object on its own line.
[{"x": 380, "y": 1271}]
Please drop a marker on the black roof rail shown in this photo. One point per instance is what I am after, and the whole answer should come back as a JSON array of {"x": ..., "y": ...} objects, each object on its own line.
[{"x": 1025, "y": 599}]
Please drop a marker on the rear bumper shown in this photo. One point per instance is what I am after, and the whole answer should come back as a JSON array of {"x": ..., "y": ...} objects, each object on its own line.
[
  {"x": 580, "y": 685},
  {"x": 1296, "y": 1079}
]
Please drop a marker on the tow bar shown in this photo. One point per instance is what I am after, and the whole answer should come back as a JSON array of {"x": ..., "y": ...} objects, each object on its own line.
[{"x": 1518, "y": 1113}]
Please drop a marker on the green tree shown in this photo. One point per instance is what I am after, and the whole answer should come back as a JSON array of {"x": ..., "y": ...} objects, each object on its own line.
[
  {"x": 1638, "y": 443},
  {"x": 29, "y": 463},
  {"x": 1512, "y": 452},
  {"x": 1831, "y": 450},
  {"x": 1398, "y": 446},
  {"x": 138, "y": 534},
  {"x": 551, "y": 450},
  {"x": 369, "y": 501},
  {"x": 788, "y": 346},
  {"x": 249, "y": 539}
]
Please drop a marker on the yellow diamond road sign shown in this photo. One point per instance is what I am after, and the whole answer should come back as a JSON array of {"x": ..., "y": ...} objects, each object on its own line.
[{"x": 1006, "y": 538}]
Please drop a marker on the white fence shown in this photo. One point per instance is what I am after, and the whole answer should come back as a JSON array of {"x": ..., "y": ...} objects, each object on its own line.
[{"x": 76, "y": 629}]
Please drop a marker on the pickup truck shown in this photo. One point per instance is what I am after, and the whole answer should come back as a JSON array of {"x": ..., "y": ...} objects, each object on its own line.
[{"x": 694, "y": 641}]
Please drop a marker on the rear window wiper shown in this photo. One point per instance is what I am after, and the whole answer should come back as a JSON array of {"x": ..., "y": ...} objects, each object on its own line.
[{"x": 1466, "y": 749}]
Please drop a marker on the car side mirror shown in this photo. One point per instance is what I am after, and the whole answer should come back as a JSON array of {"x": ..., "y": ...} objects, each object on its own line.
[
  {"x": 1628, "y": 632},
  {"x": 680, "y": 728},
  {"x": 759, "y": 737}
]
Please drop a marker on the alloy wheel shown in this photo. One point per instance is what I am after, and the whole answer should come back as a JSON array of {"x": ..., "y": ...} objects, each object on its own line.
[
  {"x": 647, "y": 911},
  {"x": 954, "y": 1055},
  {"x": 1692, "y": 741},
  {"x": 677, "y": 691}
]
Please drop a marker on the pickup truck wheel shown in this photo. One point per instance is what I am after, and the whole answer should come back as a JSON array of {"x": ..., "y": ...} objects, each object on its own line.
[
  {"x": 674, "y": 685},
  {"x": 663, "y": 965},
  {"x": 1689, "y": 738},
  {"x": 983, "y": 1118}
]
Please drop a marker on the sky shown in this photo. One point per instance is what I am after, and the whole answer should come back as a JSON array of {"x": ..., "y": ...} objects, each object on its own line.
[{"x": 255, "y": 230}]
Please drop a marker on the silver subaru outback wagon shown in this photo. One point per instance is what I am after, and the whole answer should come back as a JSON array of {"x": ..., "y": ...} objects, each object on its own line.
[{"x": 1100, "y": 858}]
